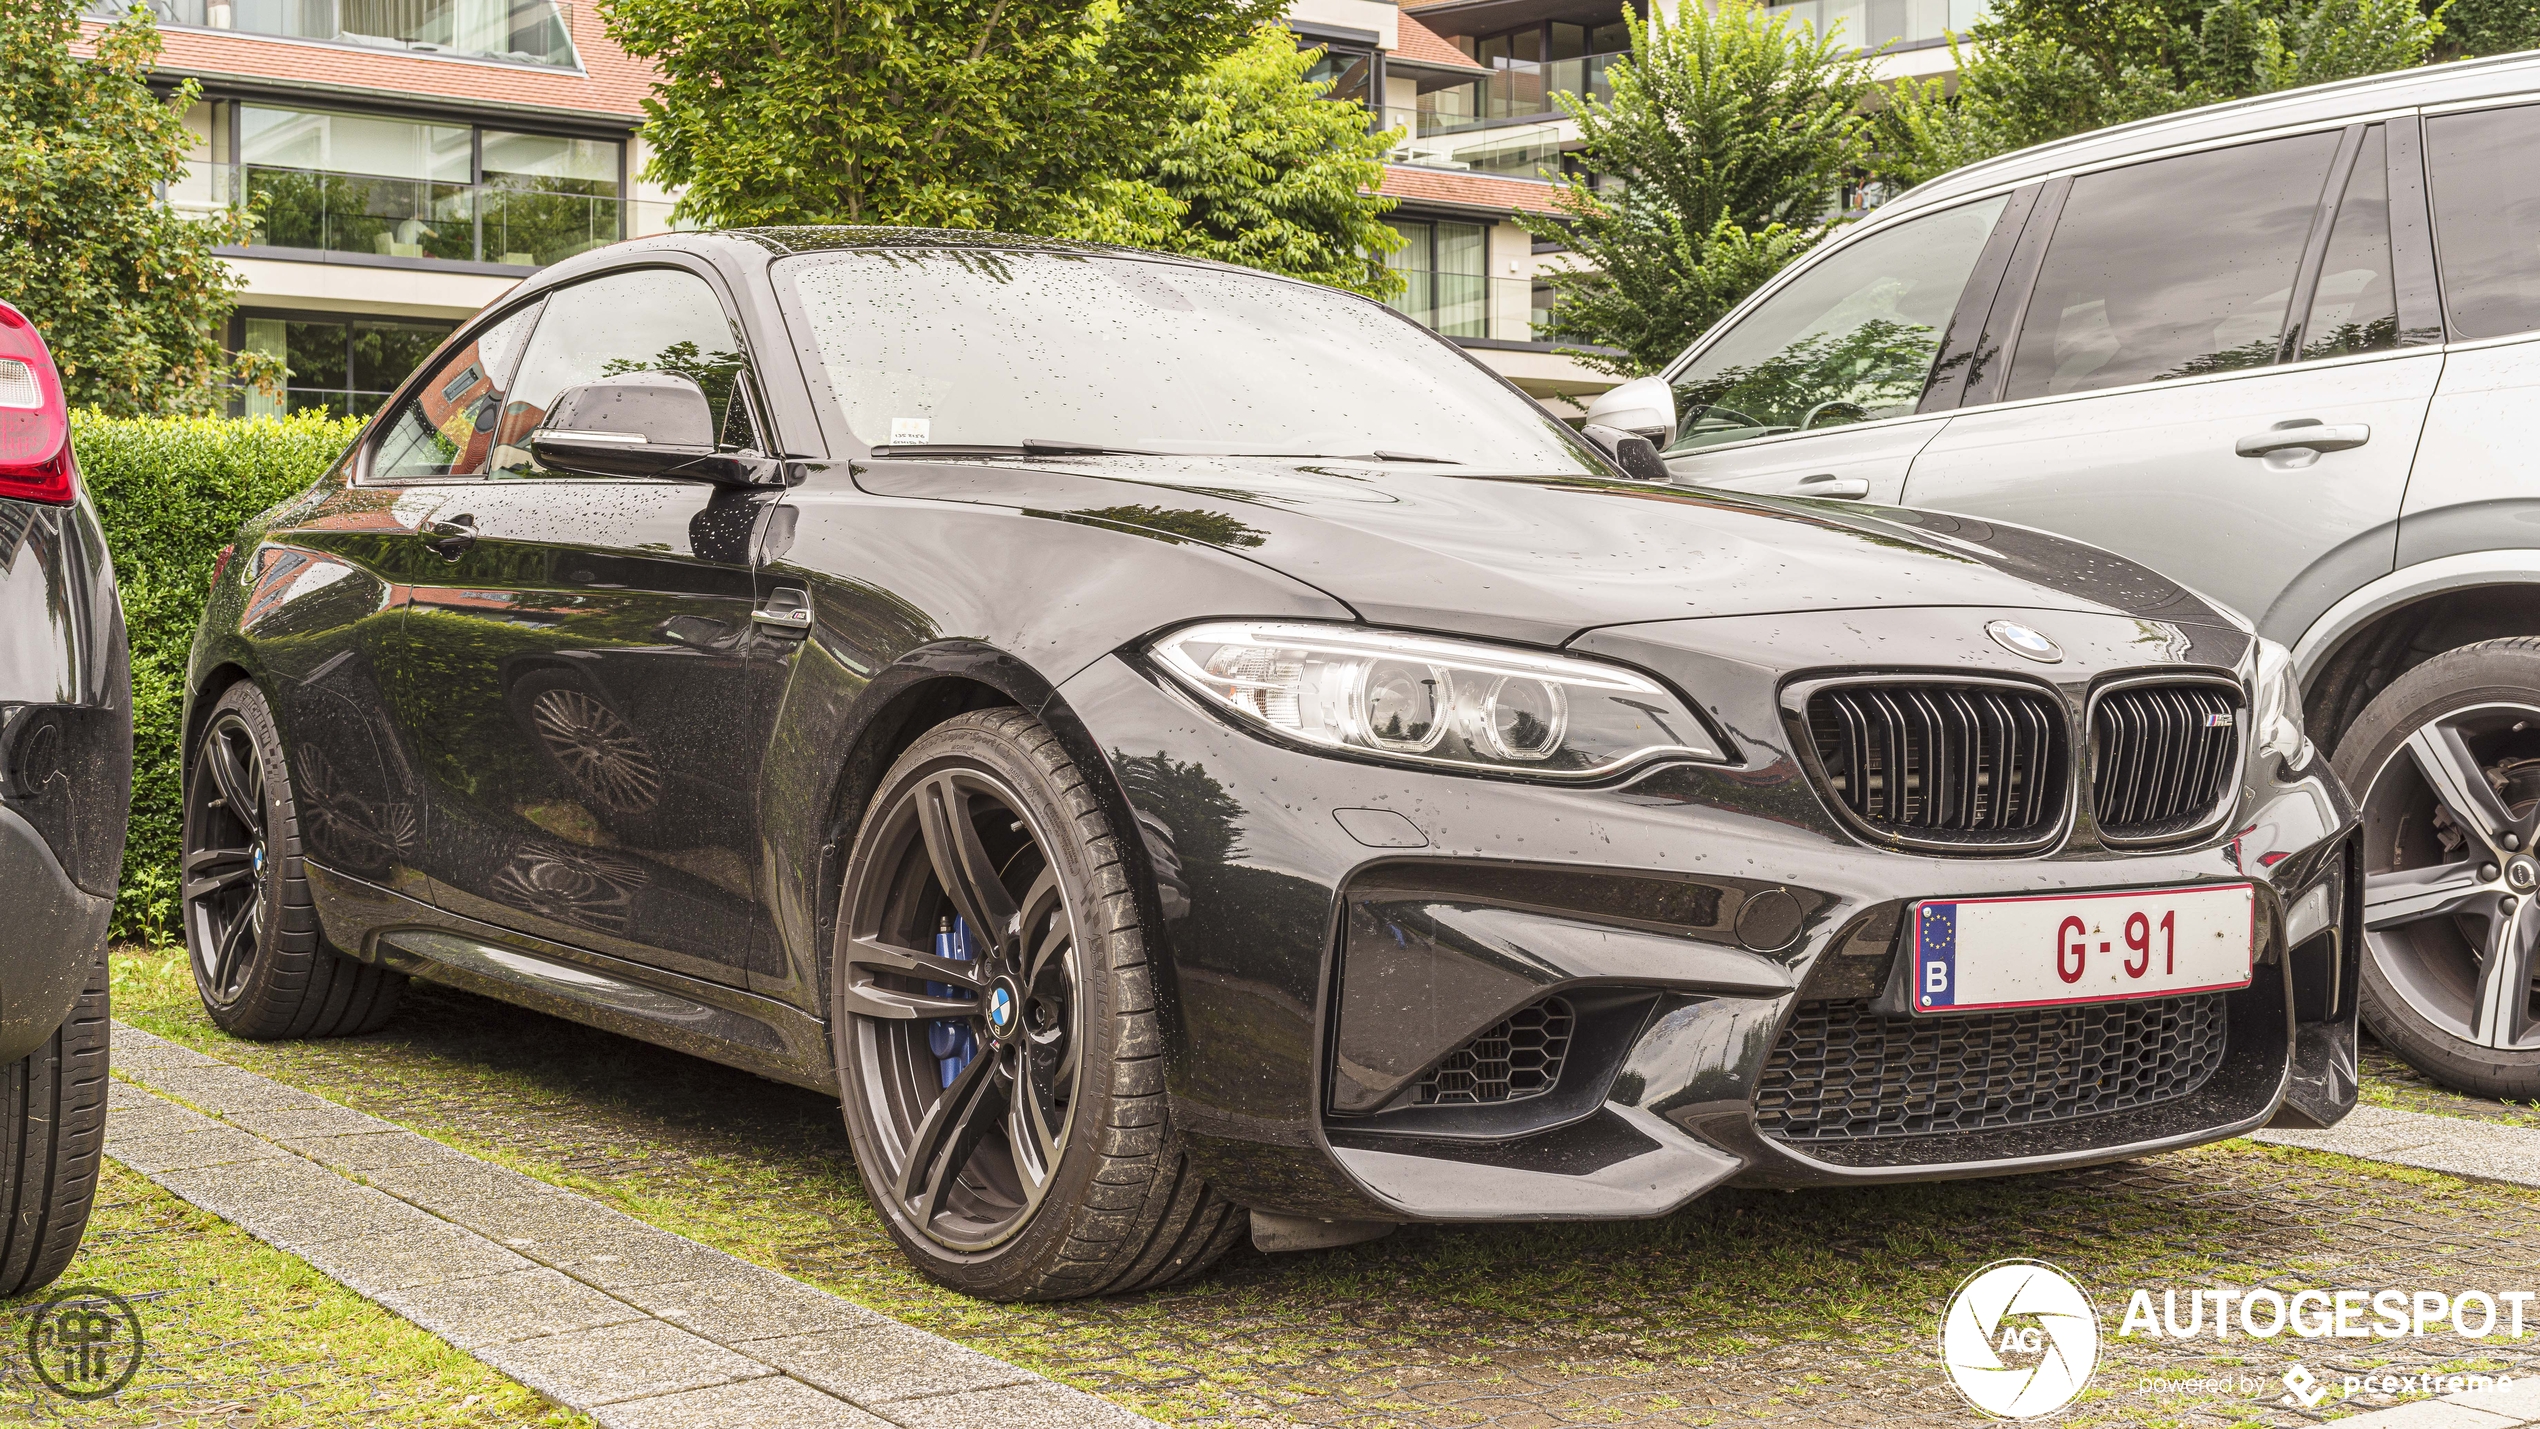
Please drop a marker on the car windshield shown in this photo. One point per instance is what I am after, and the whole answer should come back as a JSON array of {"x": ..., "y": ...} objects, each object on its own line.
[{"x": 1063, "y": 354}]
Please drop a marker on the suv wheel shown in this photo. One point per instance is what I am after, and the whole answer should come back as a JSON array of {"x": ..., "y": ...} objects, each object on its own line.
[
  {"x": 999, "y": 1051},
  {"x": 2446, "y": 763},
  {"x": 52, "y": 1128},
  {"x": 260, "y": 962}
]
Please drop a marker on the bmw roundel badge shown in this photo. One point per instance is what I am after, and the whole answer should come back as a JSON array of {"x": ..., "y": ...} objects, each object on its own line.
[
  {"x": 1000, "y": 1009},
  {"x": 2024, "y": 642}
]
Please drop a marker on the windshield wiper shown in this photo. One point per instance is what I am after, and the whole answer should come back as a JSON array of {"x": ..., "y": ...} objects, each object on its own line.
[
  {"x": 1379, "y": 454},
  {"x": 1045, "y": 446}
]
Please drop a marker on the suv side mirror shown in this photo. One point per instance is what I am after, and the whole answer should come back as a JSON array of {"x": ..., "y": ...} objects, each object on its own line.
[
  {"x": 1644, "y": 407},
  {"x": 1632, "y": 452},
  {"x": 641, "y": 424}
]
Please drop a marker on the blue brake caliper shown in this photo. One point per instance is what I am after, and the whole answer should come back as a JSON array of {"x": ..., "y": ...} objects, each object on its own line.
[{"x": 952, "y": 1039}]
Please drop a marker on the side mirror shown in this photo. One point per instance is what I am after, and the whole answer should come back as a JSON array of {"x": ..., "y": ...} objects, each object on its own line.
[
  {"x": 641, "y": 424},
  {"x": 1635, "y": 454},
  {"x": 1644, "y": 407}
]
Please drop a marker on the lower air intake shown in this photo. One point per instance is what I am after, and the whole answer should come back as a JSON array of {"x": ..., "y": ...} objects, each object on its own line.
[
  {"x": 1511, "y": 1060},
  {"x": 1842, "y": 1072}
]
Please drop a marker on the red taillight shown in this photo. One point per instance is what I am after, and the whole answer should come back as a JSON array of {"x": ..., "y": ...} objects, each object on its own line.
[{"x": 35, "y": 423}]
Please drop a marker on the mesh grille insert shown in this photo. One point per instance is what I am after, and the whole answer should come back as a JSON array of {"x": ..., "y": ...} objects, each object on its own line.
[
  {"x": 1842, "y": 1072},
  {"x": 1516, "y": 1058},
  {"x": 1971, "y": 762},
  {"x": 2162, "y": 757}
]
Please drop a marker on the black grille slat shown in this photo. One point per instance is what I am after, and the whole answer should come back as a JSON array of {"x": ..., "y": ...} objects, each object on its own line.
[
  {"x": 1518, "y": 1057},
  {"x": 2160, "y": 761},
  {"x": 1843, "y": 1072},
  {"x": 1942, "y": 761}
]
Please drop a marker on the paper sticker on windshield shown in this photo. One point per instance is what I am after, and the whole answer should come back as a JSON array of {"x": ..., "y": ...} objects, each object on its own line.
[{"x": 911, "y": 431}]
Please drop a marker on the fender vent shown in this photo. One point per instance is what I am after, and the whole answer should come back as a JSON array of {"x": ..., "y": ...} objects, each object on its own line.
[{"x": 1516, "y": 1058}]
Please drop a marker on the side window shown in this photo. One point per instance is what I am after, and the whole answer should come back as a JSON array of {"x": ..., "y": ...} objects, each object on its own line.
[
  {"x": 447, "y": 428},
  {"x": 2484, "y": 171},
  {"x": 1851, "y": 339},
  {"x": 2354, "y": 308},
  {"x": 2137, "y": 288},
  {"x": 639, "y": 320}
]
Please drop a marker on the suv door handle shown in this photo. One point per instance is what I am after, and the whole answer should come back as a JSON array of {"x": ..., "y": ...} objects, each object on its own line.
[
  {"x": 450, "y": 536},
  {"x": 786, "y": 611},
  {"x": 1827, "y": 484},
  {"x": 2310, "y": 435}
]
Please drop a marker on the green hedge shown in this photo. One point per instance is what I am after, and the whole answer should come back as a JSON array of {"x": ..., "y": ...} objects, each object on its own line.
[{"x": 172, "y": 492}]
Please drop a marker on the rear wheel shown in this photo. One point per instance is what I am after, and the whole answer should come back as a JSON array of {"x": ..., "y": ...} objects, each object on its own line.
[
  {"x": 2446, "y": 763},
  {"x": 262, "y": 965},
  {"x": 999, "y": 1052},
  {"x": 52, "y": 1127}
]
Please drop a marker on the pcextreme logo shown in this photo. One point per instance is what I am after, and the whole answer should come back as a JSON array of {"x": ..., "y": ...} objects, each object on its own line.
[{"x": 2020, "y": 1339}]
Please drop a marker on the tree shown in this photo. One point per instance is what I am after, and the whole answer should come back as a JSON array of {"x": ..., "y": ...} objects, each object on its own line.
[
  {"x": 2491, "y": 27},
  {"x": 1003, "y": 114},
  {"x": 2044, "y": 69},
  {"x": 1717, "y": 161},
  {"x": 1267, "y": 172},
  {"x": 125, "y": 290}
]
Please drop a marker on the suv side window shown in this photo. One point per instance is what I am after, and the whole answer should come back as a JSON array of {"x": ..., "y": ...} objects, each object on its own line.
[
  {"x": 447, "y": 428},
  {"x": 2484, "y": 172},
  {"x": 2134, "y": 291},
  {"x": 637, "y": 320},
  {"x": 1851, "y": 339},
  {"x": 2355, "y": 308}
]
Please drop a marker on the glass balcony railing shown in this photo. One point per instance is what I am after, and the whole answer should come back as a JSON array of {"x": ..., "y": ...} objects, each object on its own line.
[
  {"x": 1875, "y": 24},
  {"x": 1472, "y": 305},
  {"x": 1523, "y": 151},
  {"x": 523, "y": 31},
  {"x": 1518, "y": 89},
  {"x": 514, "y": 224}
]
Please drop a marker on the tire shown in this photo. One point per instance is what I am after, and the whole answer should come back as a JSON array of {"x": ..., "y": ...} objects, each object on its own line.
[
  {"x": 261, "y": 964},
  {"x": 2446, "y": 766},
  {"x": 52, "y": 1130},
  {"x": 1118, "y": 1207}
]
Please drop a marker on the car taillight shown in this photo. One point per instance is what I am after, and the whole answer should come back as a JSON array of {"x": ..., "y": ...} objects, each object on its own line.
[
  {"x": 35, "y": 423},
  {"x": 220, "y": 563}
]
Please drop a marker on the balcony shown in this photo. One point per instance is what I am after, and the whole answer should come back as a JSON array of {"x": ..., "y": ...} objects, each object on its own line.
[
  {"x": 511, "y": 225},
  {"x": 1516, "y": 89},
  {"x": 1879, "y": 24},
  {"x": 515, "y": 31},
  {"x": 1470, "y": 305},
  {"x": 1520, "y": 151}
]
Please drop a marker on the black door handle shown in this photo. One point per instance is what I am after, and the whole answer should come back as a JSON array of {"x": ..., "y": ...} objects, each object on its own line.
[{"x": 450, "y": 536}]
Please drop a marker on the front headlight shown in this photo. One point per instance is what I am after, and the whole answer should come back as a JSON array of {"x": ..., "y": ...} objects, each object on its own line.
[
  {"x": 1421, "y": 699},
  {"x": 2279, "y": 710}
]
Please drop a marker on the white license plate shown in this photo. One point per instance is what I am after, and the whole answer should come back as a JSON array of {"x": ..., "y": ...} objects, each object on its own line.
[{"x": 2082, "y": 947}]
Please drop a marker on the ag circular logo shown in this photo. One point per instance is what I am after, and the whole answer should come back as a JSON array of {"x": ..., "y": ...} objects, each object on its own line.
[
  {"x": 85, "y": 1342},
  {"x": 2020, "y": 1339}
]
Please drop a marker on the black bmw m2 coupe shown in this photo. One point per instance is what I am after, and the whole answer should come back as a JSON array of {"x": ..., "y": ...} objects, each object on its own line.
[{"x": 1183, "y": 753}]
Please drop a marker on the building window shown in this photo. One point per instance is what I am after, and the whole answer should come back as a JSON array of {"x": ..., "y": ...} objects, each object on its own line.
[
  {"x": 1531, "y": 68},
  {"x": 1350, "y": 70},
  {"x": 520, "y": 31},
  {"x": 1445, "y": 268},
  {"x": 337, "y": 363},
  {"x": 390, "y": 187}
]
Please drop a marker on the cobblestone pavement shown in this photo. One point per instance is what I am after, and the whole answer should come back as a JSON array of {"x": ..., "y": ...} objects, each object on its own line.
[{"x": 1747, "y": 1307}]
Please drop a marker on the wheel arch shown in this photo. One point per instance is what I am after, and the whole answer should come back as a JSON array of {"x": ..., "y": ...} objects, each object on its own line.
[
  {"x": 2400, "y": 621},
  {"x": 215, "y": 682}
]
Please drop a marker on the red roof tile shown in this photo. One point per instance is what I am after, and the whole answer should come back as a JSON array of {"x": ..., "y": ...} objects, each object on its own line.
[
  {"x": 1448, "y": 186},
  {"x": 1425, "y": 46}
]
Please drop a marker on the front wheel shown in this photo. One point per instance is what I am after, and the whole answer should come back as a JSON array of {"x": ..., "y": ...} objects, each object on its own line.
[
  {"x": 2446, "y": 764},
  {"x": 999, "y": 1052}
]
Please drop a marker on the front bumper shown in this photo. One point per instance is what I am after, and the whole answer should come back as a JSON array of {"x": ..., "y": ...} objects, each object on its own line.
[{"x": 1685, "y": 918}]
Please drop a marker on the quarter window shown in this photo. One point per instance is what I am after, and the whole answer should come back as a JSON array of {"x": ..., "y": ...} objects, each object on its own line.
[
  {"x": 1851, "y": 339},
  {"x": 2137, "y": 289},
  {"x": 639, "y": 320},
  {"x": 447, "y": 428},
  {"x": 2353, "y": 309},
  {"x": 2485, "y": 177}
]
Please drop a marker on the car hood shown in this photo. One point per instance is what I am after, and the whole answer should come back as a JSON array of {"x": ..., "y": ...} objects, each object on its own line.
[{"x": 1542, "y": 559}]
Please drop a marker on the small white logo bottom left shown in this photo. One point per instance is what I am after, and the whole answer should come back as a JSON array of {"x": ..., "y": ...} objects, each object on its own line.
[{"x": 2020, "y": 1339}]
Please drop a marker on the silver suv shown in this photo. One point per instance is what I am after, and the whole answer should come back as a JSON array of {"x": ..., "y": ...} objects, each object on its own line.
[{"x": 2286, "y": 350}]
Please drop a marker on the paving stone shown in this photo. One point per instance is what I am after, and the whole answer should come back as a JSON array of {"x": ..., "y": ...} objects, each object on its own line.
[
  {"x": 750, "y": 1304},
  {"x": 619, "y": 1258},
  {"x": 278, "y": 1123},
  {"x": 454, "y": 1180},
  {"x": 876, "y": 1363},
  {"x": 519, "y": 1305},
  {"x": 239, "y": 1191},
  {"x": 1044, "y": 1405},
  {"x": 423, "y": 1256},
  {"x": 2424, "y": 1414},
  {"x": 368, "y": 1151},
  {"x": 134, "y": 1048},
  {"x": 152, "y": 1151},
  {"x": 746, "y": 1404},
  {"x": 2481, "y": 1150},
  {"x": 221, "y": 1089},
  {"x": 620, "y": 1362},
  {"x": 2518, "y": 1399},
  {"x": 365, "y": 1214}
]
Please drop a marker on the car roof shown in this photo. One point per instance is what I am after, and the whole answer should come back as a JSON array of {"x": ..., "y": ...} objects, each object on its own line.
[
  {"x": 2504, "y": 76},
  {"x": 783, "y": 241}
]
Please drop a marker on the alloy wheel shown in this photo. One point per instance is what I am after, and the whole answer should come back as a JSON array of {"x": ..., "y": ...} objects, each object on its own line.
[
  {"x": 2449, "y": 916},
  {"x": 961, "y": 971},
  {"x": 228, "y": 859}
]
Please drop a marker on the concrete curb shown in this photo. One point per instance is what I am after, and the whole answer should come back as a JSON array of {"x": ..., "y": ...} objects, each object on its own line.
[
  {"x": 634, "y": 1326},
  {"x": 2505, "y": 1407},
  {"x": 2479, "y": 1150}
]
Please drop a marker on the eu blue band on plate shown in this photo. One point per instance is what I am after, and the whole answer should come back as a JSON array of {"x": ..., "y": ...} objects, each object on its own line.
[{"x": 1936, "y": 955}]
